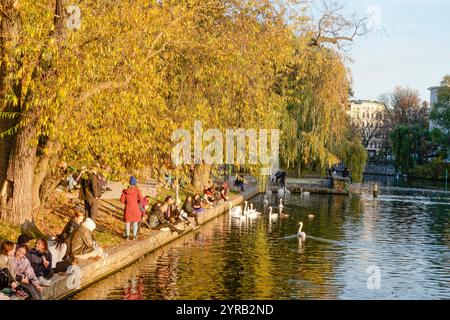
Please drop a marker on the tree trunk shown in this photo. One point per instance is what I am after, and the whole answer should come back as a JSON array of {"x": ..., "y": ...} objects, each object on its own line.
[
  {"x": 201, "y": 176},
  {"x": 9, "y": 39},
  {"x": 17, "y": 190},
  {"x": 44, "y": 163},
  {"x": 299, "y": 170},
  {"x": 19, "y": 179}
]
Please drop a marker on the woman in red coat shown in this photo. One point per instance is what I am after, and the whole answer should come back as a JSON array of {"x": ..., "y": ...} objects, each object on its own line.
[{"x": 132, "y": 197}]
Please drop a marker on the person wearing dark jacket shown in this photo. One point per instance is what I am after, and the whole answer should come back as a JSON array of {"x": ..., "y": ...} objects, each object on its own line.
[
  {"x": 90, "y": 192},
  {"x": 189, "y": 209},
  {"x": 169, "y": 208},
  {"x": 197, "y": 204},
  {"x": 71, "y": 226},
  {"x": 240, "y": 181},
  {"x": 41, "y": 261},
  {"x": 133, "y": 200},
  {"x": 157, "y": 221},
  {"x": 68, "y": 231}
]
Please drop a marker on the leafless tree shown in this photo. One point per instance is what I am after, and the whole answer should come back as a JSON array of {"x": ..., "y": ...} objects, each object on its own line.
[{"x": 336, "y": 28}]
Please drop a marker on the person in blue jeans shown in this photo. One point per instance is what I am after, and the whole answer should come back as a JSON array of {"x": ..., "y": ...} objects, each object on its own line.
[{"x": 133, "y": 200}]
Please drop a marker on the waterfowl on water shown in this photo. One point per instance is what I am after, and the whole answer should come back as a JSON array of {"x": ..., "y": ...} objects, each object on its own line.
[
  {"x": 235, "y": 211},
  {"x": 271, "y": 214},
  {"x": 301, "y": 235},
  {"x": 306, "y": 193}
]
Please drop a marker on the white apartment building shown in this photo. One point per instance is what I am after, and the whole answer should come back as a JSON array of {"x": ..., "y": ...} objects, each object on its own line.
[{"x": 369, "y": 118}]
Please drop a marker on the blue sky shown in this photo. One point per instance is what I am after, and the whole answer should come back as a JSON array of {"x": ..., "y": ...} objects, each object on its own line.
[{"x": 415, "y": 52}]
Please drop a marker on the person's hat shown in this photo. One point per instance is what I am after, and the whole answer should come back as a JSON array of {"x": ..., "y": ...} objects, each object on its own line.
[
  {"x": 23, "y": 239},
  {"x": 133, "y": 181}
]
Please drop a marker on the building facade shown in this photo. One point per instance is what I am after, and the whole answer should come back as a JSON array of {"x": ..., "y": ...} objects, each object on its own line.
[{"x": 369, "y": 119}]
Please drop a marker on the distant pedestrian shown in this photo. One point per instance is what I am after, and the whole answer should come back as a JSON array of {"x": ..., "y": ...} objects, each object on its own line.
[
  {"x": 347, "y": 174},
  {"x": 283, "y": 179},
  {"x": 240, "y": 181},
  {"x": 71, "y": 183},
  {"x": 90, "y": 192},
  {"x": 329, "y": 172}
]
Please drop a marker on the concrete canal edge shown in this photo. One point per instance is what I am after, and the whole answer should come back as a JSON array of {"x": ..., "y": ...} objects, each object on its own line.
[{"x": 88, "y": 272}]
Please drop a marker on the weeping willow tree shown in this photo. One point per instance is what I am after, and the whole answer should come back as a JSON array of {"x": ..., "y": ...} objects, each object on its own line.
[{"x": 316, "y": 126}]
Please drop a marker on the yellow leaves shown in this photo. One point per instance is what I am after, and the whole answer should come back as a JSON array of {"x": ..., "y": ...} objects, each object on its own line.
[{"x": 206, "y": 64}]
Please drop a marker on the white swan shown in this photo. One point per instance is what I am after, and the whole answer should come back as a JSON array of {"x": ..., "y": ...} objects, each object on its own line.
[
  {"x": 306, "y": 193},
  {"x": 301, "y": 235},
  {"x": 245, "y": 208},
  {"x": 310, "y": 216},
  {"x": 253, "y": 210},
  {"x": 280, "y": 206},
  {"x": 252, "y": 213},
  {"x": 265, "y": 201},
  {"x": 271, "y": 214},
  {"x": 235, "y": 211},
  {"x": 283, "y": 191}
]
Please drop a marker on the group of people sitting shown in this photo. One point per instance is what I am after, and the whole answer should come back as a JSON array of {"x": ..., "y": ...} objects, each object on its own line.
[
  {"x": 24, "y": 270},
  {"x": 167, "y": 214}
]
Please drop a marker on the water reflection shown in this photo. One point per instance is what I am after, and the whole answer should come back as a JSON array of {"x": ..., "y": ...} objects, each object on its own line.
[{"x": 403, "y": 232}]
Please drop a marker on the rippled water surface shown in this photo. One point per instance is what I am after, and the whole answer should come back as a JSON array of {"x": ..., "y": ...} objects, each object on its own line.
[{"x": 403, "y": 236}]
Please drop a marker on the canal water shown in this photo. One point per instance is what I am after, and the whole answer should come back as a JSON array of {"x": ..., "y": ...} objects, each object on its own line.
[{"x": 394, "y": 247}]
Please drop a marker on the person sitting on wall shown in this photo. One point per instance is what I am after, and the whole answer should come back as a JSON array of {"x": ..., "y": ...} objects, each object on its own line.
[
  {"x": 25, "y": 275},
  {"x": 83, "y": 245},
  {"x": 189, "y": 209},
  {"x": 205, "y": 202},
  {"x": 223, "y": 195},
  {"x": 208, "y": 196},
  {"x": 152, "y": 219},
  {"x": 7, "y": 274},
  {"x": 171, "y": 213},
  {"x": 157, "y": 220},
  {"x": 197, "y": 204},
  {"x": 41, "y": 262},
  {"x": 67, "y": 233}
]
